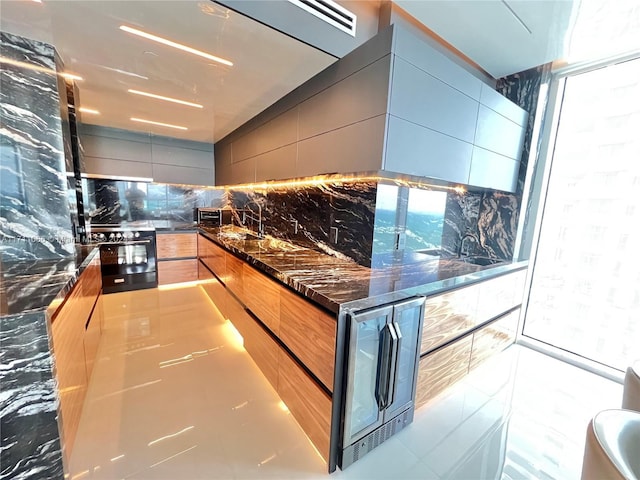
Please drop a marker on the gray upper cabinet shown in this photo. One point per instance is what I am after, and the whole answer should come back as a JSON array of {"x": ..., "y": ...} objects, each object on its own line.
[
  {"x": 424, "y": 56},
  {"x": 358, "y": 97},
  {"x": 396, "y": 103},
  {"x": 447, "y": 123},
  {"x": 492, "y": 170},
  {"x": 421, "y": 98},
  {"x": 420, "y": 151},
  {"x": 498, "y": 134},
  {"x": 499, "y": 104},
  {"x": 123, "y": 153}
]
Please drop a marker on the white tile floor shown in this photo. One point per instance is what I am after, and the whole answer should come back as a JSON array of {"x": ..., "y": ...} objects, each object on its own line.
[{"x": 173, "y": 396}]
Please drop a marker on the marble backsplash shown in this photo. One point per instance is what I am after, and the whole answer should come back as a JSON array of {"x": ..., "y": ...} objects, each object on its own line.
[
  {"x": 369, "y": 220},
  {"x": 333, "y": 217},
  {"x": 35, "y": 220}
]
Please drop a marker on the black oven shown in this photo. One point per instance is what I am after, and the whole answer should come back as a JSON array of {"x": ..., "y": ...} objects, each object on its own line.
[{"x": 127, "y": 258}]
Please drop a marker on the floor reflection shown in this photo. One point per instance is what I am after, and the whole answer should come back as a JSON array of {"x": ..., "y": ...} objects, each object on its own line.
[{"x": 213, "y": 414}]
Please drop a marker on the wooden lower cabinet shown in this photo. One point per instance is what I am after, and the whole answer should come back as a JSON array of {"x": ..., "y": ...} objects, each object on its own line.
[
  {"x": 441, "y": 369},
  {"x": 262, "y": 348},
  {"x": 212, "y": 256},
  {"x": 448, "y": 316},
  {"x": 262, "y": 297},
  {"x": 310, "y": 333},
  {"x": 494, "y": 338},
  {"x": 75, "y": 336},
  {"x": 71, "y": 372},
  {"x": 308, "y": 403},
  {"x": 458, "y": 312},
  {"x": 177, "y": 271},
  {"x": 92, "y": 336},
  {"x": 177, "y": 257},
  {"x": 234, "y": 278},
  {"x": 276, "y": 325},
  {"x": 215, "y": 290},
  {"x": 177, "y": 245}
]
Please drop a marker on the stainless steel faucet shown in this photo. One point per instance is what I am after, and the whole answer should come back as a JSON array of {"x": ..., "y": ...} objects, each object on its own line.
[
  {"x": 462, "y": 241},
  {"x": 249, "y": 214}
]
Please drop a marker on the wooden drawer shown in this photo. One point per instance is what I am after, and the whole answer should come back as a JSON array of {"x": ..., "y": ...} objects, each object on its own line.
[
  {"x": 212, "y": 255},
  {"x": 216, "y": 292},
  {"x": 310, "y": 333},
  {"x": 262, "y": 297},
  {"x": 177, "y": 271},
  {"x": 234, "y": 278},
  {"x": 441, "y": 369},
  {"x": 448, "y": 316},
  {"x": 307, "y": 402},
  {"x": 494, "y": 338},
  {"x": 91, "y": 280},
  {"x": 176, "y": 245},
  {"x": 262, "y": 348},
  {"x": 500, "y": 294},
  {"x": 92, "y": 337},
  {"x": 68, "y": 331},
  {"x": 203, "y": 272}
]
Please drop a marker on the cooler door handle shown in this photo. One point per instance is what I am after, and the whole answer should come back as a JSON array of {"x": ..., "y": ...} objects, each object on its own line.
[
  {"x": 394, "y": 360},
  {"x": 386, "y": 366}
]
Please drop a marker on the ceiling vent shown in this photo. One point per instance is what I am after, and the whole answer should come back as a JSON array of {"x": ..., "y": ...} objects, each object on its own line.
[{"x": 330, "y": 12}]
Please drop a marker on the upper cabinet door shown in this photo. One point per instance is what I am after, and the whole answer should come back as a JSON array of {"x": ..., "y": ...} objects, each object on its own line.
[
  {"x": 498, "y": 134},
  {"x": 422, "y": 99}
]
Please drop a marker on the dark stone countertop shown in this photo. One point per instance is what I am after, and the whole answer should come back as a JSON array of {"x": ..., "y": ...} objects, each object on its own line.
[
  {"x": 32, "y": 285},
  {"x": 333, "y": 282}
]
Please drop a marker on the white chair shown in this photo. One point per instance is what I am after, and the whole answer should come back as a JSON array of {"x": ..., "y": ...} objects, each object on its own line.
[
  {"x": 612, "y": 449},
  {"x": 631, "y": 393}
]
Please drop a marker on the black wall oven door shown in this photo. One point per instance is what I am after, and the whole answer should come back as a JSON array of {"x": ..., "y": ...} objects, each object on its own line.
[{"x": 129, "y": 264}]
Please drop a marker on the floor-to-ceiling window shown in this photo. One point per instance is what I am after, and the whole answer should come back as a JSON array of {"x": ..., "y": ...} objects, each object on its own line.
[{"x": 585, "y": 290}]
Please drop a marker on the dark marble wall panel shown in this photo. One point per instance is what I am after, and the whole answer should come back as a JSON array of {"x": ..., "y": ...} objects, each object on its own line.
[
  {"x": 367, "y": 217},
  {"x": 524, "y": 90},
  {"x": 488, "y": 219},
  {"x": 35, "y": 219},
  {"x": 30, "y": 440},
  {"x": 336, "y": 218}
]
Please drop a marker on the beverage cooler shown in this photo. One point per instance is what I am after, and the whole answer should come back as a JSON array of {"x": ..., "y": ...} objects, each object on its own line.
[{"x": 382, "y": 368}]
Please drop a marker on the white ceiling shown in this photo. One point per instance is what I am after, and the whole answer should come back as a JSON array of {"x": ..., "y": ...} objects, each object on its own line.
[
  {"x": 501, "y": 36},
  {"x": 267, "y": 64}
]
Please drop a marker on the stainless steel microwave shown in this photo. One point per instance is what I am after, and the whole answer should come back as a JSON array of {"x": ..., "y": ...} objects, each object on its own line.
[{"x": 214, "y": 217}]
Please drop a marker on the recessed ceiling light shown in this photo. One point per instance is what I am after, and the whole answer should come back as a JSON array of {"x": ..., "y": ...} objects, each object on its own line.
[
  {"x": 72, "y": 76},
  {"x": 168, "y": 99},
  {"x": 92, "y": 111},
  {"x": 124, "y": 72},
  {"x": 179, "y": 46},
  {"x": 160, "y": 124}
]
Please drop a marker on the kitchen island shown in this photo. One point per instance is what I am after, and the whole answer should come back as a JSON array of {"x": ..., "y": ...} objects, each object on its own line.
[{"x": 471, "y": 311}]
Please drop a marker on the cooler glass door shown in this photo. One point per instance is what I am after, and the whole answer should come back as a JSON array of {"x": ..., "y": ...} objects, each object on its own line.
[{"x": 362, "y": 411}]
